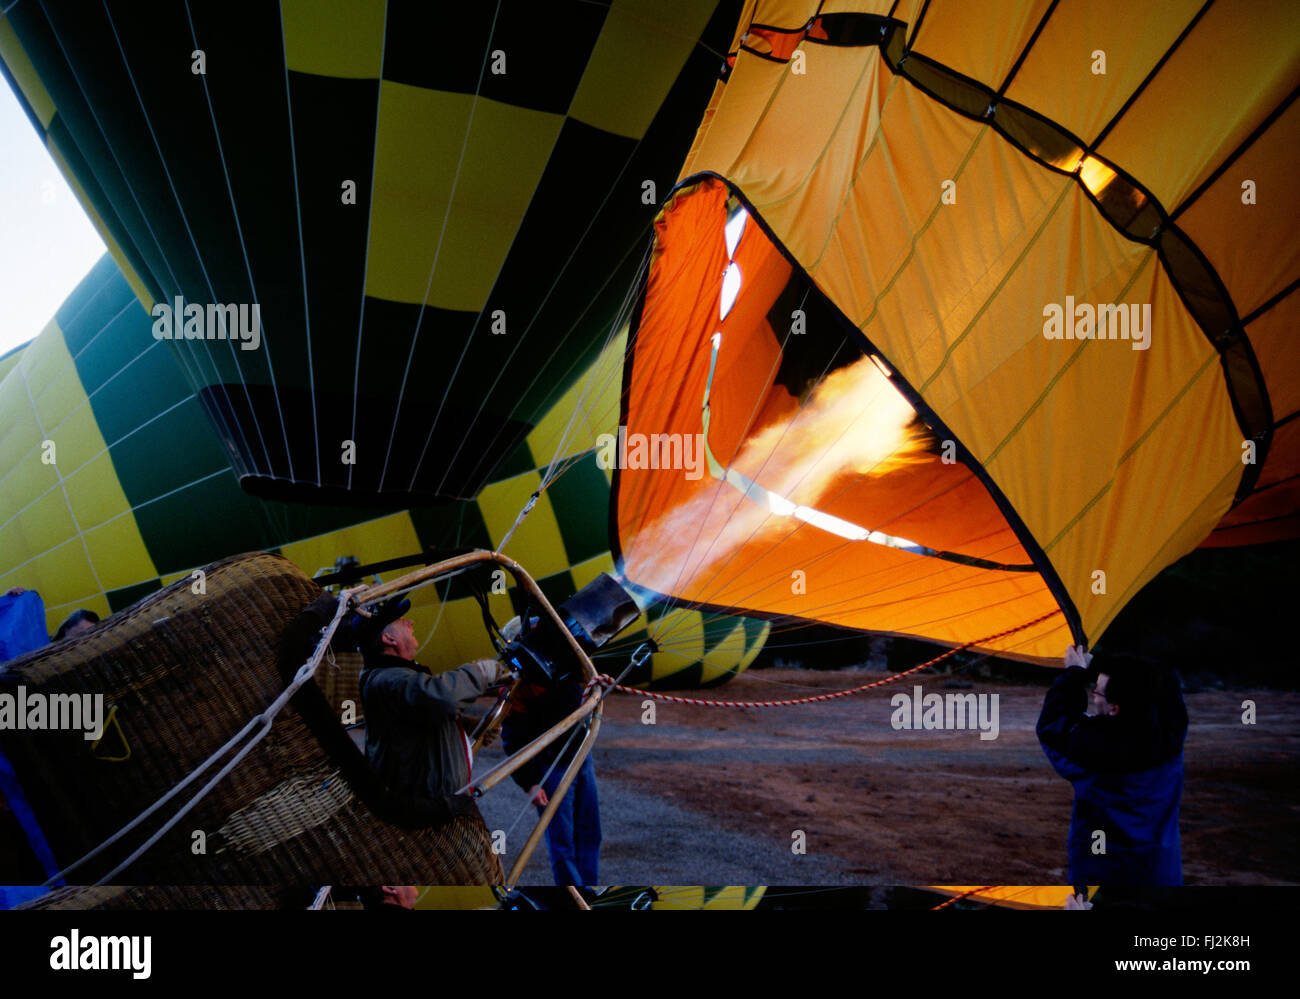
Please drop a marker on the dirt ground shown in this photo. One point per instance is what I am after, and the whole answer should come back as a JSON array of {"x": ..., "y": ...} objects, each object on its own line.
[{"x": 880, "y": 806}]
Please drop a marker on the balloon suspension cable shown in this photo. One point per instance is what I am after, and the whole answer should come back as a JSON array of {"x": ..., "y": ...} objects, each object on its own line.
[
  {"x": 611, "y": 684},
  {"x": 528, "y": 508},
  {"x": 555, "y": 467}
]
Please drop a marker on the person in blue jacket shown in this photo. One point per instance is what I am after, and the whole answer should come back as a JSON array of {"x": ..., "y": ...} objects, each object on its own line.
[{"x": 1116, "y": 732}]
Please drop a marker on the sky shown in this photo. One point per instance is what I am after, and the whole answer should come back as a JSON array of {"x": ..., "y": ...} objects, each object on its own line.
[{"x": 47, "y": 243}]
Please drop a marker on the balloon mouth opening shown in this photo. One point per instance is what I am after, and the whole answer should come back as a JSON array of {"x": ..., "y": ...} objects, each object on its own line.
[{"x": 806, "y": 454}]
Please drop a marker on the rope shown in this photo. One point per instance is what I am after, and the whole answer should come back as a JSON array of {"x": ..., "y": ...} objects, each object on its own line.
[
  {"x": 528, "y": 508},
  {"x": 959, "y": 897},
  {"x": 608, "y": 682}
]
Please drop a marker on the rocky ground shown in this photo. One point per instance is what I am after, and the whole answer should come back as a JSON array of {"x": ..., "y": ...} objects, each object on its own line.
[{"x": 708, "y": 796}]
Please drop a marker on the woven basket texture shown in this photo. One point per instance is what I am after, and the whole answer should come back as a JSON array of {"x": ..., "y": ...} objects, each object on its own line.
[{"x": 182, "y": 673}]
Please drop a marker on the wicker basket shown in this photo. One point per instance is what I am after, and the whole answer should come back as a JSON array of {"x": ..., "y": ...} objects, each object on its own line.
[{"x": 183, "y": 673}]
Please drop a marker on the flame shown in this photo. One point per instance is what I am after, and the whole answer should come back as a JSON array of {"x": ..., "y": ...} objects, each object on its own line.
[
  {"x": 1096, "y": 175},
  {"x": 854, "y": 422}
]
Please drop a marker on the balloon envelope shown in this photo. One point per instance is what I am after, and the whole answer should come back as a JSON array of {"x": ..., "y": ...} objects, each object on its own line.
[{"x": 1010, "y": 335}]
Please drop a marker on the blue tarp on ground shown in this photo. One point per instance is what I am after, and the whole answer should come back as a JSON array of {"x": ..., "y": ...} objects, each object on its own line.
[
  {"x": 14, "y": 895},
  {"x": 22, "y": 624}
]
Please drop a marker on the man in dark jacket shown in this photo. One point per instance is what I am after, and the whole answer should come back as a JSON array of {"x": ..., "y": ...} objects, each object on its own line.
[
  {"x": 1119, "y": 741},
  {"x": 414, "y": 737}
]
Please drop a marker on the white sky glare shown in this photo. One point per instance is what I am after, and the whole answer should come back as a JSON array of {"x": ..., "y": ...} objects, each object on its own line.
[{"x": 47, "y": 242}]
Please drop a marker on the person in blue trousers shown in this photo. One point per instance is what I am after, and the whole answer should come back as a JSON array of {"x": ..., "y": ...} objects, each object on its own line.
[{"x": 573, "y": 836}]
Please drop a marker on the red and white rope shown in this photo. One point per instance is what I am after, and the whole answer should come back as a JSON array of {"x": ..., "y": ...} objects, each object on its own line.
[{"x": 608, "y": 682}]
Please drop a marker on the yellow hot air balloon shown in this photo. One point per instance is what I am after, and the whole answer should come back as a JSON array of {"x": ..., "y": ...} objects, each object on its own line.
[{"x": 978, "y": 315}]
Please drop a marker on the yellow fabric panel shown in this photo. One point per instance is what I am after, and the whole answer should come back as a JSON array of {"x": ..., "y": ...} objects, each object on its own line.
[
  {"x": 906, "y": 12},
  {"x": 1017, "y": 896},
  {"x": 739, "y": 106},
  {"x": 61, "y": 570},
  {"x": 1230, "y": 73},
  {"x": 839, "y": 95},
  {"x": 42, "y": 526},
  {"x": 90, "y": 494},
  {"x": 594, "y": 397},
  {"x": 537, "y": 542},
  {"x": 59, "y": 398},
  {"x": 460, "y": 636},
  {"x": 467, "y": 897},
  {"x": 418, "y": 148},
  {"x": 1253, "y": 247},
  {"x": 9, "y": 404},
  {"x": 643, "y": 45},
  {"x": 1098, "y": 615},
  {"x": 1274, "y": 338},
  {"x": 372, "y": 541},
  {"x": 780, "y": 13},
  {"x": 29, "y": 82},
  {"x": 978, "y": 42},
  {"x": 44, "y": 358},
  {"x": 7, "y": 364},
  {"x": 12, "y": 498},
  {"x": 882, "y": 589},
  {"x": 77, "y": 440},
  {"x": 117, "y": 550},
  {"x": 123, "y": 264},
  {"x": 894, "y": 216},
  {"x": 682, "y": 641},
  {"x": 95, "y": 496},
  {"x": 999, "y": 368},
  {"x": 682, "y": 898},
  {"x": 948, "y": 323},
  {"x": 725, "y": 658},
  {"x": 798, "y": 163},
  {"x": 1057, "y": 78},
  {"x": 20, "y": 439},
  {"x": 341, "y": 38},
  {"x": 584, "y": 572},
  {"x": 1177, "y": 462},
  {"x": 1026, "y": 421},
  {"x": 689, "y": 164}
]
